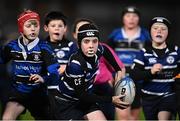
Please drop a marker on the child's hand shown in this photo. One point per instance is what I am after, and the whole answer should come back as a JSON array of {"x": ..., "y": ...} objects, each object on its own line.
[
  {"x": 156, "y": 68},
  {"x": 116, "y": 100},
  {"x": 62, "y": 69},
  {"x": 36, "y": 78}
]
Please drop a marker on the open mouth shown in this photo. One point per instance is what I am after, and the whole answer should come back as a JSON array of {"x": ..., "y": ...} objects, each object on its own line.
[
  {"x": 32, "y": 34},
  {"x": 56, "y": 34},
  {"x": 158, "y": 36}
]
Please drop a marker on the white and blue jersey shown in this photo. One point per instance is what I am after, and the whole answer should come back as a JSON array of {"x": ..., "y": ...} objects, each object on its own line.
[
  {"x": 63, "y": 49},
  {"x": 127, "y": 48},
  {"x": 78, "y": 79},
  {"x": 161, "y": 83},
  {"x": 35, "y": 58}
]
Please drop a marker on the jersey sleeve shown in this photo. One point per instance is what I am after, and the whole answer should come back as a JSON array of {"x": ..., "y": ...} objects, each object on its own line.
[
  {"x": 108, "y": 55},
  {"x": 74, "y": 47},
  {"x": 50, "y": 63},
  {"x": 119, "y": 62},
  {"x": 138, "y": 71}
]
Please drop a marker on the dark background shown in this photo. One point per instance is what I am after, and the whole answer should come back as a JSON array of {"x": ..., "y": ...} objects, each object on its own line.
[{"x": 106, "y": 14}]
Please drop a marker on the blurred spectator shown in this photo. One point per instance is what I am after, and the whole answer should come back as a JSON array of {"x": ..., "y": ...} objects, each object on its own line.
[{"x": 127, "y": 41}]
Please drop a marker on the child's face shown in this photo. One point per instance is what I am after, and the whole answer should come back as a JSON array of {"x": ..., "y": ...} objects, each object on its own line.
[
  {"x": 159, "y": 33},
  {"x": 130, "y": 20},
  {"x": 56, "y": 29},
  {"x": 89, "y": 46},
  {"x": 31, "y": 29}
]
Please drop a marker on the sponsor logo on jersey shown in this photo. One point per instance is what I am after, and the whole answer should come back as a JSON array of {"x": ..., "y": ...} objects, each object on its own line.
[{"x": 152, "y": 60}]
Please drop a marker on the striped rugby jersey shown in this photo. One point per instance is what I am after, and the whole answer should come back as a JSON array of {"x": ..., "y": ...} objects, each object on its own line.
[
  {"x": 125, "y": 48},
  {"x": 63, "y": 49},
  {"x": 81, "y": 71},
  {"x": 162, "y": 82},
  {"x": 35, "y": 58}
]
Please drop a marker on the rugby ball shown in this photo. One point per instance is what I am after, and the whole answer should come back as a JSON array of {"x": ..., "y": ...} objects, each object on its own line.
[{"x": 126, "y": 87}]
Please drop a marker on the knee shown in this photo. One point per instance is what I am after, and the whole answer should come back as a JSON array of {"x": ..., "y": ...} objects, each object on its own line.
[{"x": 7, "y": 116}]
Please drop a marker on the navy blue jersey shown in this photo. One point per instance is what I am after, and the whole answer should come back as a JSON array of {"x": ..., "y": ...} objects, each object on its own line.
[
  {"x": 162, "y": 82},
  {"x": 63, "y": 50},
  {"x": 127, "y": 48},
  {"x": 35, "y": 58},
  {"x": 78, "y": 79}
]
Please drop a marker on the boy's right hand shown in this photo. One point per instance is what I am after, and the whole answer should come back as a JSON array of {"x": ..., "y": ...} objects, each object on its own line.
[{"x": 156, "y": 68}]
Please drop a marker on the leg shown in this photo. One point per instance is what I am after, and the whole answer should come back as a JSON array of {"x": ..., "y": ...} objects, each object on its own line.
[
  {"x": 12, "y": 111},
  {"x": 137, "y": 103},
  {"x": 95, "y": 115},
  {"x": 135, "y": 113},
  {"x": 164, "y": 115},
  {"x": 150, "y": 109},
  {"x": 167, "y": 108},
  {"x": 123, "y": 114}
]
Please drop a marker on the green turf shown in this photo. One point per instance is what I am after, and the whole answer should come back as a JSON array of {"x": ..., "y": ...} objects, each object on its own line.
[
  {"x": 27, "y": 116},
  {"x": 142, "y": 115}
]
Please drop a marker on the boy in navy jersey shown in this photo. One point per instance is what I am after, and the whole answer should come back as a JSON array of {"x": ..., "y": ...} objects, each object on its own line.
[
  {"x": 76, "y": 99},
  {"x": 157, "y": 65},
  {"x": 31, "y": 59},
  {"x": 56, "y": 26},
  {"x": 104, "y": 79}
]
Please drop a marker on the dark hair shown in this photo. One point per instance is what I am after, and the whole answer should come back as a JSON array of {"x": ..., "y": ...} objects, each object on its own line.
[
  {"x": 55, "y": 15},
  {"x": 160, "y": 19},
  {"x": 81, "y": 20}
]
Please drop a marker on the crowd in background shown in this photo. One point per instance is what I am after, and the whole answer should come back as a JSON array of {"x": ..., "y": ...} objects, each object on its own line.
[{"x": 106, "y": 14}]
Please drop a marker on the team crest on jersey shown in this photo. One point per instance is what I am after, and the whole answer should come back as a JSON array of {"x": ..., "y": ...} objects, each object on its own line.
[
  {"x": 60, "y": 54},
  {"x": 36, "y": 57},
  {"x": 170, "y": 59},
  {"x": 152, "y": 60}
]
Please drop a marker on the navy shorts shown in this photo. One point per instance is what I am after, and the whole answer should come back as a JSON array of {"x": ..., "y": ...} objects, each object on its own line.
[
  {"x": 152, "y": 105},
  {"x": 108, "y": 109},
  {"x": 36, "y": 102},
  {"x": 64, "y": 109}
]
